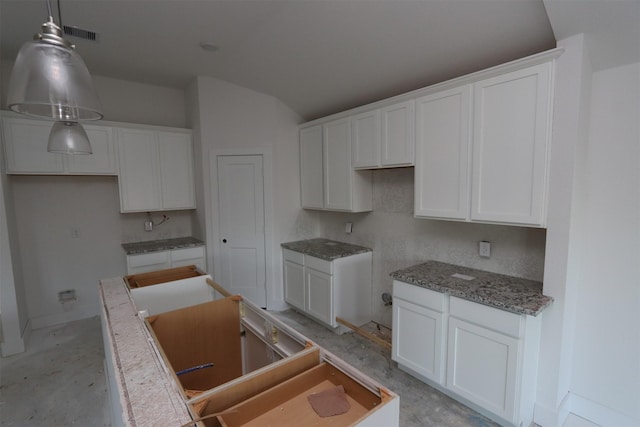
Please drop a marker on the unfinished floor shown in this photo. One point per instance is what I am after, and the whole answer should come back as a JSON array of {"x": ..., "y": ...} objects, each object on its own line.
[{"x": 60, "y": 381}]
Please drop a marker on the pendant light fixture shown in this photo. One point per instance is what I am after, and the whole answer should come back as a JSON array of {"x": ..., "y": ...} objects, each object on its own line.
[
  {"x": 50, "y": 80},
  {"x": 68, "y": 138}
]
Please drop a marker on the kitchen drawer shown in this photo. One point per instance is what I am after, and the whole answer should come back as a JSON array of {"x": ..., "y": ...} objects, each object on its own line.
[
  {"x": 487, "y": 317},
  {"x": 420, "y": 296},
  {"x": 318, "y": 264},
  {"x": 151, "y": 258},
  {"x": 187, "y": 253},
  {"x": 292, "y": 256}
]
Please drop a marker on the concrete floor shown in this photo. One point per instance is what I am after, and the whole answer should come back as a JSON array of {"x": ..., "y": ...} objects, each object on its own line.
[{"x": 60, "y": 380}]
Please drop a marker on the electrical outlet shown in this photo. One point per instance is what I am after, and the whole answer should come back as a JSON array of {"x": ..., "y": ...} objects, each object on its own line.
[
  {"x": 348, "y": 227},
  {"x": 68, "y": 295},
  {"x": 484, "y": 249}
]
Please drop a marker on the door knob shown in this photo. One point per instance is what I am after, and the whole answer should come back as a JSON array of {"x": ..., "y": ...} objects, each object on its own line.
[{"x": 224, "y": 240}]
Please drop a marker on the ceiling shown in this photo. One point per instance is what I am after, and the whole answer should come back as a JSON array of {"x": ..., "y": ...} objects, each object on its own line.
[{"x": 317, "y": 56}]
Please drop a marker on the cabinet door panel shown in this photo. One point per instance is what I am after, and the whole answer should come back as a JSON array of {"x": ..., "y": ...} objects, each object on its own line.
[
  {"x": 398, "y": 134},
  {"x": 319, "y": 288},
  {"x": 417, "y": 339},
  {"x": 103, "y": 159},
  {"x": 176, "y": 170},
  {"x": 482, "y": 366},
  {"x": 442, "y": 154},
  {"x": 139, "y": 171},
  {"x": 365, "y": 144},
  {"x": 338, "y": 178},
  {"x": 311, "y": 178},
  {"x": 294, "y": 284},
  {"x": 148, "y": 262},
  {"x": 26, "y": 147},
  {"x": 510, "y": 142}
]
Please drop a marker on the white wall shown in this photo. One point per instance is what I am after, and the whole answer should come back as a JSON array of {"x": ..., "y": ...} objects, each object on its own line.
[
  {"x": 234, "y": 119},
  {"x": 47, "y": 208},
  {"x": 570, "y": 121},
  {"x": 606, "y": 363}
]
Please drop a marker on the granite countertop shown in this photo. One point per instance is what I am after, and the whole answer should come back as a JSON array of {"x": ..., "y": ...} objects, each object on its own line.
[
  {"x": 513, "y": 294},
  {"x": 325, "y": 249},
  {"x": 161, "y": 245},
  {"x": 147, "y": 394}
]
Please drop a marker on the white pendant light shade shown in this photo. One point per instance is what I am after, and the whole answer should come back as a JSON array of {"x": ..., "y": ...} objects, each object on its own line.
[
  {"x": 68, "y": 138},
  {"x": 50, "y": 80}
]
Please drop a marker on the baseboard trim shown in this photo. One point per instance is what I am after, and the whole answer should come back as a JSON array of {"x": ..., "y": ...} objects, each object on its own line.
[
  {"x": 9, "y": 348},
  {"x": 78, "y": 313},
  {"x": 552, "y": 417},
  {"x": 599, "y": 414},
  {"x": 583, "y": 408}
]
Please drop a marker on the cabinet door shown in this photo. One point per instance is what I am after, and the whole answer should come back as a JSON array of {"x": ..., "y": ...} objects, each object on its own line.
[
  {"x": 139, "y": 177},
  {"x": 417, "y": 339},
  {"x": 338, "y": 174},
  {"x": 189, "y": 256},
  {"x": 482, "y": 366},
  {"x": 442, "y": 154},
  {"x": 103, "y": 159},
  {"x": 398, "y": 134},
  {"x": 365, "y": 142},
  {"x": 311, "y": 179},
  {"x": 319, "y": 298},
  {"x": 176, "y": 170},
  {"x": 26, "y": 147},
  {"x": 294, "y": 284},
  {"x": 152, "y": 261},
  {"x": 510, "y": 144}
]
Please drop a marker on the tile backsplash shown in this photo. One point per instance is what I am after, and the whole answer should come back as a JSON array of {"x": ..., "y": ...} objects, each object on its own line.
[{"x": 399, "y": 240}]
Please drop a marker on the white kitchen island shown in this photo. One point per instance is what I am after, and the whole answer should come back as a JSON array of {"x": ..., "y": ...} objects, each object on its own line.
[{"x": 143, "y": 386}]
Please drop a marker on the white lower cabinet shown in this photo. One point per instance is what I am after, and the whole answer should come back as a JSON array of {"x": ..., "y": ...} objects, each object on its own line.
[
  {"x": 294, "y": 287},
  {"x": 419, "y": 328},
  {"x": 485, "y": 357},
  {"x": 325, "y": 290},
  {"x": 482, "y": 366},
  {"x": 160, "y": 260}
]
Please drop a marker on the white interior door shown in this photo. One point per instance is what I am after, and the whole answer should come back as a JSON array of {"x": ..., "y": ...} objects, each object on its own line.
[{"x": 241, "y": 224}]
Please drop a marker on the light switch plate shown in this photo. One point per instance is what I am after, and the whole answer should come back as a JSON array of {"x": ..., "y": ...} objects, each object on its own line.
[{"x": 484, "y": 249}]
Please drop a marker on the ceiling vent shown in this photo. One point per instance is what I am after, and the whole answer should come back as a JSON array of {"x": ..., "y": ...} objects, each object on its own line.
[{"x": 80, "y": 33}]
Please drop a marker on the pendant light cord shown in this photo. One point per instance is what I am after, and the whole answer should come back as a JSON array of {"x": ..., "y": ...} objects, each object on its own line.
[
  {"x": 51, "y": 13},
  {"x": 59, "y": 15}
]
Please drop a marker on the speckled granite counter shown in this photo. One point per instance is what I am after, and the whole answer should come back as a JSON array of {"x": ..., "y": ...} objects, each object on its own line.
[
  {"x": 161, "y": 245},
  {"x": 325, "y": 249},
  {"x": 520, "y": 296},
  {"x": 148, "y": 396}
]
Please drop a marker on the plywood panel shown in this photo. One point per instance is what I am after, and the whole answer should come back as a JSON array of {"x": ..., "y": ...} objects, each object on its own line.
[{"x": 201, "y": 334}]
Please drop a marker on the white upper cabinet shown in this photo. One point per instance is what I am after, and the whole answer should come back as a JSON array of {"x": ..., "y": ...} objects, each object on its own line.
[
  {"x": 328, "y": 181},
  {"x": 139, "y": 171},
  {"x": 504, "y": 179},
  {"x": 479, "y": 144},
  {"x": 176, "y": 170},
  {"x": 156, "y": 170},
  {"x": 102, "y": 160},
  {"x": 442, "y": 154},
  {"x": 337, "y": 161},
  {"x": 384, "y": 137},
  {"x": 365, "y": 143},
  {"x": 311, "y": 179},
  {"x": 398, "y": 134},
  {"x": 510, "y": 146},
  {"x": 26, "y": 150}
]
